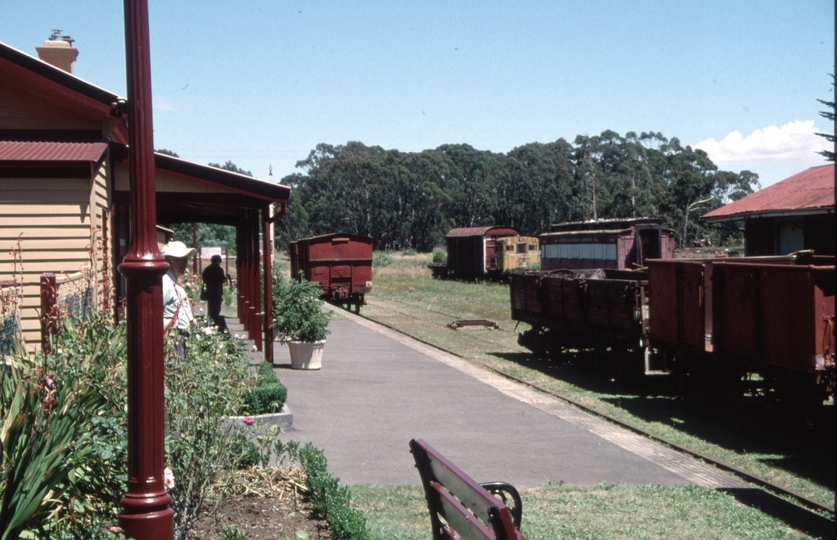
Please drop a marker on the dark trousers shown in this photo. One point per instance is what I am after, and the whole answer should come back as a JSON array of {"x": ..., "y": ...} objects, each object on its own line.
[{"x": 213, "y": 306}]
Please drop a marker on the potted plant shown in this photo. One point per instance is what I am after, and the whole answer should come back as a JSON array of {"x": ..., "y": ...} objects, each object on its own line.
[{"x": 300, "y": 320}]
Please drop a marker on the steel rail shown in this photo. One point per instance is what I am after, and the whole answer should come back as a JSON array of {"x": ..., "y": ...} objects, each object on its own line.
[{"x": 802, "y": 500}]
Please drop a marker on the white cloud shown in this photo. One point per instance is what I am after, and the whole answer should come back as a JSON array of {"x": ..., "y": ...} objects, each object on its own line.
[
  {"x": 795, "y": 143},
  {"x": 164, "y": 104}
]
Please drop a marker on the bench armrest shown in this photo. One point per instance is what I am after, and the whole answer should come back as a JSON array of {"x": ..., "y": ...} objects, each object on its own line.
[{"x": 504, "y": 491}]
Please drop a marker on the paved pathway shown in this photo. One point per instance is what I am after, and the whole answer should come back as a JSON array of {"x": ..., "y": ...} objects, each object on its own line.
[{"x": 378, "y": 389}]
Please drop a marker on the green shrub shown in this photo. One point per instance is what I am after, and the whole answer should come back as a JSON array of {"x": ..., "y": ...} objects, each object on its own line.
[
  {"x": 381, "y": 259},
  {"x": 440, "y": 255},
  {"x": 200, "y": 392},
  {"x": 267, "y": 375},
  {"x": 298, "y": 313},
  {"x": 329, "y": 499},
  {"x": 265, "y": 399},
  {"x": 75, "y": 448},
  {"x": 270, "y": 394},
  {"x": 65, "y": 434},
  {"x": 409, "y": 251}
]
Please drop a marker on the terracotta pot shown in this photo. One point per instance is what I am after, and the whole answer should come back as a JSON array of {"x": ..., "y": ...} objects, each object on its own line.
[{"x": 306, "y": 355}]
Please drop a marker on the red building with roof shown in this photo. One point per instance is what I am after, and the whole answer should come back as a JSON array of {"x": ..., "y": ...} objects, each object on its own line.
[{"x": 794, "y": 214}]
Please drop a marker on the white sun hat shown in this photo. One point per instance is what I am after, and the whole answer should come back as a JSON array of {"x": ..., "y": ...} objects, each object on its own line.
[{"x": 177, "y": 250}]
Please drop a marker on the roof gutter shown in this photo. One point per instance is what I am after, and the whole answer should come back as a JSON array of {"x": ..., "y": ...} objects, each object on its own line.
[{"x": 823, "y": 210}]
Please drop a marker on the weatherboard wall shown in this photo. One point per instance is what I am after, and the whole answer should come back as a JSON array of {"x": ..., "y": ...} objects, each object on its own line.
[{"x": 58, "y": 225}]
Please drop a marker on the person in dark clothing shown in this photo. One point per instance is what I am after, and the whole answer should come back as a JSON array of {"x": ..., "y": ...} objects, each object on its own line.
[{"x": 214, "y": 278}]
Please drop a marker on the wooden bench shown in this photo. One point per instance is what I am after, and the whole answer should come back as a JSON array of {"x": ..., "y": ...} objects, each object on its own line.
[{"x": 460, "y": 508}]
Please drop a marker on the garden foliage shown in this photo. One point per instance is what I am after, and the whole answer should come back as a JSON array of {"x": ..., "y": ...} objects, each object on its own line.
[
  {"x": 329, "y": 499},
  {"x": 63, "y": 435},
  {"x": 63, "y": 467},
  {"x": 298, "y": 313},
  {"x": 268, "y": 396}
]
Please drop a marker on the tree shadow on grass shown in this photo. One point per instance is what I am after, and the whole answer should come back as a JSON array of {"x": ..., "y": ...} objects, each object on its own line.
[
  {"x": 804, "y": 447},
  {"x": 798, "y": 518}
]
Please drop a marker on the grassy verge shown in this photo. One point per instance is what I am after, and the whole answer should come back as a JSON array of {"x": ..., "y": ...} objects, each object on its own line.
[
  {"x": 558, "y": 511},
  {"x": 757, "y": 441}
]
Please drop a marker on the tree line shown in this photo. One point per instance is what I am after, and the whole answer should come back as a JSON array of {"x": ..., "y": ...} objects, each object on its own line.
[{"x": 412, "y": 199}]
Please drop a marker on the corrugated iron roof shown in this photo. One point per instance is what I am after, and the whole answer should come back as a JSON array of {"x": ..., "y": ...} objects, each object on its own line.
[
  {"x": 480, "y": 231},
  {"x": 31, "y": 153},
  {"x": 603, "y": 224},
  {"x": 808, "y": 191}
]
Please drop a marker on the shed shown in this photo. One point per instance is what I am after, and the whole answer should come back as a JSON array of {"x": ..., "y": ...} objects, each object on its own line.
[
  {"x": 618, "y": 244},
  {"x": 473, "y": 250},
  {"x": 794, "y": 214}
]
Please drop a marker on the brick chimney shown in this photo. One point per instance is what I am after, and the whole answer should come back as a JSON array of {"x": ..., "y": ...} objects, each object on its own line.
[{"x": 58, "y": 51}]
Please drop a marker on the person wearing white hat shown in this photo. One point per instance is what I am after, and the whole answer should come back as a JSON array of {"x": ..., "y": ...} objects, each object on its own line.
[{"x": 177, "y": 312}]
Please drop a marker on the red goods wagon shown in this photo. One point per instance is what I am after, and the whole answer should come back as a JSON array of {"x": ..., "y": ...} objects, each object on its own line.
[
  {"x": 525, "y": 295},
  {"x": 728, "y": 317},
  {"x": 472, "y": 251},
  {"x": 679, "y": 317},
  {"x": 777, "y": 320},
  {"x": 340, "y": 263}
]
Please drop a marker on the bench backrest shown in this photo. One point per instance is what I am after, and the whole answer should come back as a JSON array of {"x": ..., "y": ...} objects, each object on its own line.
[{"x": 459, "y": 506}]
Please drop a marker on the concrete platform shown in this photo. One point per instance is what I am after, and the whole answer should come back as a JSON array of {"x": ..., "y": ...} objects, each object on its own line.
[{"x": 378, "y": 389}]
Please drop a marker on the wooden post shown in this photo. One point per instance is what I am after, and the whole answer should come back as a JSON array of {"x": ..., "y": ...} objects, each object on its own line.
[
  {"x": 267, "y": 251},
  {"x": 256, "y": 283},
  {"x": 246, "y": 248},
  {"x": 195, "y": 245},
  {"x": 49, "y": 294},
  {"x": 145, "y": 508},
  {"x": 239, "y": 257}
]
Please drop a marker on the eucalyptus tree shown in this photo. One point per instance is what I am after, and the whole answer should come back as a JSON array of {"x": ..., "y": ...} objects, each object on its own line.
[
  {"x": 828, "y": 115},
  {"x": 428, "y": 198},
  {"x": 537, "y": 186},
  {"x": 469, "y": 184},
  {"x": 588, "y": 174},
  {"x": 336, "y": 188},
  {"x": 230, "y": 166},
  {"x": 690, "y": 184},
  {"x": 295, "y": 223}
]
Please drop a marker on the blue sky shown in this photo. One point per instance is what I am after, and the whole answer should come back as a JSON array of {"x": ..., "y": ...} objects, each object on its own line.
[{"x": 262, "y": 82}]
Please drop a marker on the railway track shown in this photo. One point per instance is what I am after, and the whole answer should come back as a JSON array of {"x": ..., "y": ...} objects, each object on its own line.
[{"x": 799, "y": 499}]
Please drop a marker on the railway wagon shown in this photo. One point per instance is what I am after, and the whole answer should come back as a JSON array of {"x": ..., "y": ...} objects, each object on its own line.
[
  {"x": 580, "y": 309},
  {"x": 612, "y": 244},
  {"x": 340, "y": 263},
  {"x": 473, "y": 251},
  {"x": 772, "y": 316},
  {"x": 517, "y": 252}
]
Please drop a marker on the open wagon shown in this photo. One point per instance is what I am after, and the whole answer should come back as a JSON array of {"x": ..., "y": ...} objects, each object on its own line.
[
  {"x": 340, "y": 263},
  {"x": 728, "y": 318},
  {"x": 579, "y": 308}
]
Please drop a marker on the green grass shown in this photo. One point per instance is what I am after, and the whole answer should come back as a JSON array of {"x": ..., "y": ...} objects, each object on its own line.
[
  {"x": 405, "y": 296},
  {"x": 557, "y": 511}
]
